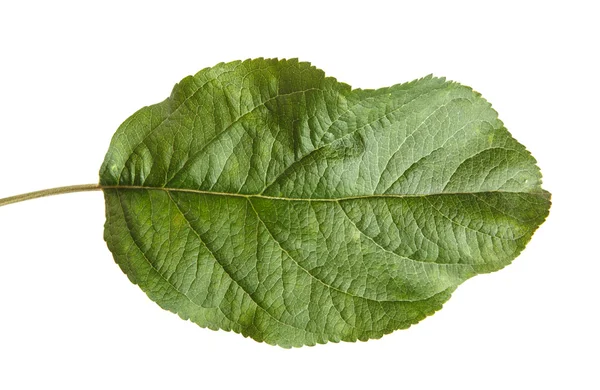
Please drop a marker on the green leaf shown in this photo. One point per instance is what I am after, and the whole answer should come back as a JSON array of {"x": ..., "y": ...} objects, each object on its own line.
[{"x": 265, "y": 198}]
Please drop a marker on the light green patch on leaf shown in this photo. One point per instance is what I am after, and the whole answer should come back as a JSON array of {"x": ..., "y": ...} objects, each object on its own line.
[{"x": 265, "y": 198}]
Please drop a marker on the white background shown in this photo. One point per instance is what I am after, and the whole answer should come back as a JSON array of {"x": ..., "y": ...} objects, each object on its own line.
[{"x": 70, "y": 73}]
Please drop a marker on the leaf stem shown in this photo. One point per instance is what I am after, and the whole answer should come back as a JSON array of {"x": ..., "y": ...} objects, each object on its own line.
[{"x": 50, "y": 192}]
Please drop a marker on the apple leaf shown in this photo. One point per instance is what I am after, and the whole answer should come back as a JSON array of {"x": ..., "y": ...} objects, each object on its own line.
[{"x": 265, "y": 198}]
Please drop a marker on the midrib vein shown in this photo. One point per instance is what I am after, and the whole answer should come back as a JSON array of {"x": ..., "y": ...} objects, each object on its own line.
[{"x": 292, "y": 199}]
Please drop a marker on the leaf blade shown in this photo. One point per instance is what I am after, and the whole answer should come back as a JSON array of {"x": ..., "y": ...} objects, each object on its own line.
[{"x": 265, "y": 198}]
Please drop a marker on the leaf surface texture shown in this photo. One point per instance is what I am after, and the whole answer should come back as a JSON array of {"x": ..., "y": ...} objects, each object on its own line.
[{"x": 265, "y": 198}]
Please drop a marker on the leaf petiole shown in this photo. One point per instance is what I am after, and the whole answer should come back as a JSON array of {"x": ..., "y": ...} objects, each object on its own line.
[{"x": 49, "y": 192}]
